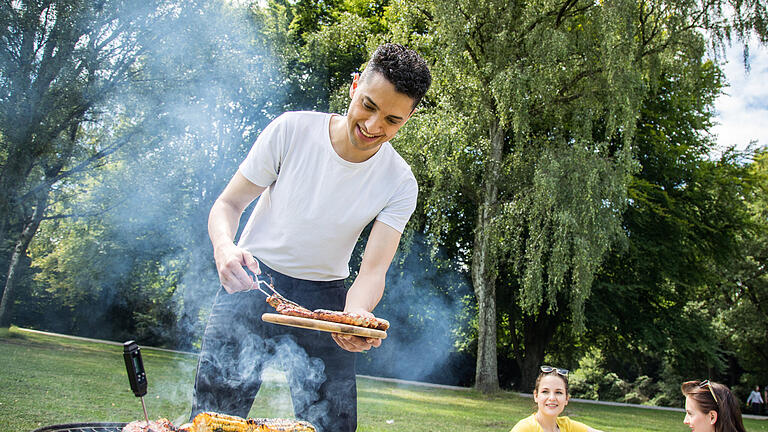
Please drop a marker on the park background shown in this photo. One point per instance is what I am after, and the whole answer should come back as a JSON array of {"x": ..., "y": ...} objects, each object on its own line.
[{"x": 575, "y": 207}]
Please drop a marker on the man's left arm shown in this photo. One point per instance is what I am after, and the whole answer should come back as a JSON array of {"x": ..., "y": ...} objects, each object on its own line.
[{"x": 368, "y": 287}]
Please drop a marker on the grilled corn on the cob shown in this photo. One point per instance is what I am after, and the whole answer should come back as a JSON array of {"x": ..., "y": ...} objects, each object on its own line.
[{"x": 214, "y": 422}]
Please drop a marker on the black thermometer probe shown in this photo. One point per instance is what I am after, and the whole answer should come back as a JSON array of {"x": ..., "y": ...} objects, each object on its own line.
[{"x": 136, "y": 375}]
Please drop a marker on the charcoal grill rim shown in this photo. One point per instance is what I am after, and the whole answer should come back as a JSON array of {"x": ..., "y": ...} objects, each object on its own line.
[{"x": 68, "y": 426}]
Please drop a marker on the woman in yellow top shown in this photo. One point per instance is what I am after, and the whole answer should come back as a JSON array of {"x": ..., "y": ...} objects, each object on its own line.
[{"x": 551, "y": 396}]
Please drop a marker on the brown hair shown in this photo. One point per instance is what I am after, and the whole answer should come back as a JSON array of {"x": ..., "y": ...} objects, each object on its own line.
[
  {"x": 726, "y": 406},
  {"x": 554, "y": 372}
]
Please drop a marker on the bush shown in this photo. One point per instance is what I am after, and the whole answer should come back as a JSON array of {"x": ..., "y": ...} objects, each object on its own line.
[
  {"x": 592, "y": 381},
  {"x": 580, "y": 387},
  {"x": 663, "y": 399},
  {"x": 634, "y": 398},
  {"x": 613, "y": 388},
  {"x": 646, "y": 387}
]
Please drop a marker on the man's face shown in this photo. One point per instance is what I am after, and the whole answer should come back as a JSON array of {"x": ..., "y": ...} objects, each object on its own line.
[{"x": 377, "y": 111}]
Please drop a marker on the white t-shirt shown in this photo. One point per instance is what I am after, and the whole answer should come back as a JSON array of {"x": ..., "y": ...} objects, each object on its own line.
[{"x": 316, "y": 204}]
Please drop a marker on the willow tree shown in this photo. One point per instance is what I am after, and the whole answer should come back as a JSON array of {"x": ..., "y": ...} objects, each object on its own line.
[{"x": 525, "y": 154}]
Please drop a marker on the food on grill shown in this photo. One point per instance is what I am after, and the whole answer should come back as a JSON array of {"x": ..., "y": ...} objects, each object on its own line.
[
  {"x": 161, "y": 425},
  {"x": 286, "y": 307},
  {"x": 214, "y": 422}
]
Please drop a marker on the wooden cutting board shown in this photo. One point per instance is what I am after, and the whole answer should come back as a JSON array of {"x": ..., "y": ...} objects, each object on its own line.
[{"x": 326, "y": 326}]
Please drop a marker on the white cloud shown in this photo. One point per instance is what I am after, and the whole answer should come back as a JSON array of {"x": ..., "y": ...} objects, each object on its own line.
[{"x": 742, "y": 112}]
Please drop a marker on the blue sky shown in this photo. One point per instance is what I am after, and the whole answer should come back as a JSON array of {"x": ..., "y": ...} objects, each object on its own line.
[{"x": 742, "y": 112}]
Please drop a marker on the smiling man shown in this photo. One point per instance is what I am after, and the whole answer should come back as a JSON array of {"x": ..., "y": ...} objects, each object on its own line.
[{"x": 320, "y": 179}]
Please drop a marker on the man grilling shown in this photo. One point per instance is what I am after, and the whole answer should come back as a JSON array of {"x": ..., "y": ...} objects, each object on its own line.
[{"x": 320, "y": 179}]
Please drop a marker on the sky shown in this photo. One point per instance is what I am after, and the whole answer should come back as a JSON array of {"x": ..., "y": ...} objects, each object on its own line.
[{"x": 742, "y": 111}]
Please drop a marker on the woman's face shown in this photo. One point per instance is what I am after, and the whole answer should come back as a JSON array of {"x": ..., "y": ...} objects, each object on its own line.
[
  {"x": 697, "y": 420},
  {"x": 551, "y": 396}
]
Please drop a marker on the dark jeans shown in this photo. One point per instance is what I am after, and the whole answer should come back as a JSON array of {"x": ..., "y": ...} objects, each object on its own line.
[{"x": 237, "y": 345}]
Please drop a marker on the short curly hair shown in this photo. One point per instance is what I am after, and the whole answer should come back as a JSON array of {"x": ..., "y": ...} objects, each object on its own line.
[{"x": 403, "y": 67}]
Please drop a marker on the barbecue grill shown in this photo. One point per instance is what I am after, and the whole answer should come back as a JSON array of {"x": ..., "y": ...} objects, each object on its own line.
[{"x": 83, "y": 427}]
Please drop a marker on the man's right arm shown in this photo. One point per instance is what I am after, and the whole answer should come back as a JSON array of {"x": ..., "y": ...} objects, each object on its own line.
[{"x": 223, "y": 221}]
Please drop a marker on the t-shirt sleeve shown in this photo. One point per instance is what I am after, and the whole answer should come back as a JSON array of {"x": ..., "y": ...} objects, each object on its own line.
[
  {"x": 262, "y": 165},
  {"x": 401, "y": 205},
  {"x": 574, "y": 426}
]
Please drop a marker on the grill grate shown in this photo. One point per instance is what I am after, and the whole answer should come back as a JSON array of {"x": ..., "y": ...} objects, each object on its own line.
[{"x": 83, "y": 427}]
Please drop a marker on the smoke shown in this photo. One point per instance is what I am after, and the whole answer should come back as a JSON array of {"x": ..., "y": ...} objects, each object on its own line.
[
  {"x": 303, "y": 372},
  {"x": 426, "y": 303},
  {"x": 139, "y": 258},
  {"x": 136, "y": 262},
  {"x": 201, "y": 86}
]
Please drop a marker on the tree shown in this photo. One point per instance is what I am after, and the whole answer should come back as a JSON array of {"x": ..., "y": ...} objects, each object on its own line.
[
  {"x": 320, "y": 44},
  {"x": 138, "y": 246},
  {"x": 60, "y": 61},
  {"x": 530, "y": 140},
  {"x": 743, "y": 316},
  {"x": 676, "y": 231}
]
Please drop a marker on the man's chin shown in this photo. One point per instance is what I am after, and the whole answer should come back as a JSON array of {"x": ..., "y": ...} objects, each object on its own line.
[{"x": 363, "y": 146}]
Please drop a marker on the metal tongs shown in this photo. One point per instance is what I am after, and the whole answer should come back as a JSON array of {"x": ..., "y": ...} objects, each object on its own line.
[{"x": 255, "y": 286}]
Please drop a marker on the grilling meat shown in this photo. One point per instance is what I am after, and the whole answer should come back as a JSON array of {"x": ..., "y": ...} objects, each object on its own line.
[
  {"x": 286, "y": 307},
  {"x": 214, "y": 422},
  {"x": 161, "y": 425},
  {"x": 351, "y": 319}
]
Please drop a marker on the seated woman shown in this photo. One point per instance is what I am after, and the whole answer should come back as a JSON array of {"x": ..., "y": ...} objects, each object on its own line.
[
  {"x": 551, "y": 396},
  {"x": 711, "y": 407}
]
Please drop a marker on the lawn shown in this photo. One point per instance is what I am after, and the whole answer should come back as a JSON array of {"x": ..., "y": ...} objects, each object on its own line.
[{"x": 49, "y": 380}]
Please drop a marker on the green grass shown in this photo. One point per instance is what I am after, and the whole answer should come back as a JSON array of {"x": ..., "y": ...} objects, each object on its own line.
[{"x": 49, "y": 380}]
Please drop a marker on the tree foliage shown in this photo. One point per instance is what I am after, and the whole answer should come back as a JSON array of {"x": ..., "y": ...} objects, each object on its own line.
[
  {"x": 562, "y": 157},
  {"x": 528, "y": 148},
  {"x": 743, "y": 312},
  {"x": 319, "y": 44},
  {"x": 60, "y": 63},
  {"x": 193, "y": 106}
]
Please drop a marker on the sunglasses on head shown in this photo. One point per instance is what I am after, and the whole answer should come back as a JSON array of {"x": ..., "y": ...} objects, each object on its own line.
[
  {"x": 550, "y": 369},
  {"x": 707, "y": 384}
]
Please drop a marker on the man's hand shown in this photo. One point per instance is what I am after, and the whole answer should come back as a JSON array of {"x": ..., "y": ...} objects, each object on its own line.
[
  {"x": 230, "y": 261},
  {"x": 356, "y": 343},
  {"x": 222, "y": 226}
]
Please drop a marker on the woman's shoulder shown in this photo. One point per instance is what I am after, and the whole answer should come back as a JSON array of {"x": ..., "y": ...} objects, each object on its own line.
[{"x": 527, "y": 424}]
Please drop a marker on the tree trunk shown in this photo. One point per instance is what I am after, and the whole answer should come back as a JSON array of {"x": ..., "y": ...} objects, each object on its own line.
[
  {"x": 537, "y": 334},
  {"x": 484, "y": 274},
  {"x": 530, "y": 348},
  {"x": 486, "y": 372},
  {"x": 20, "y": 250},
  {"x": 11, "y": 213},
  {"x": 12, "y": 175}
]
